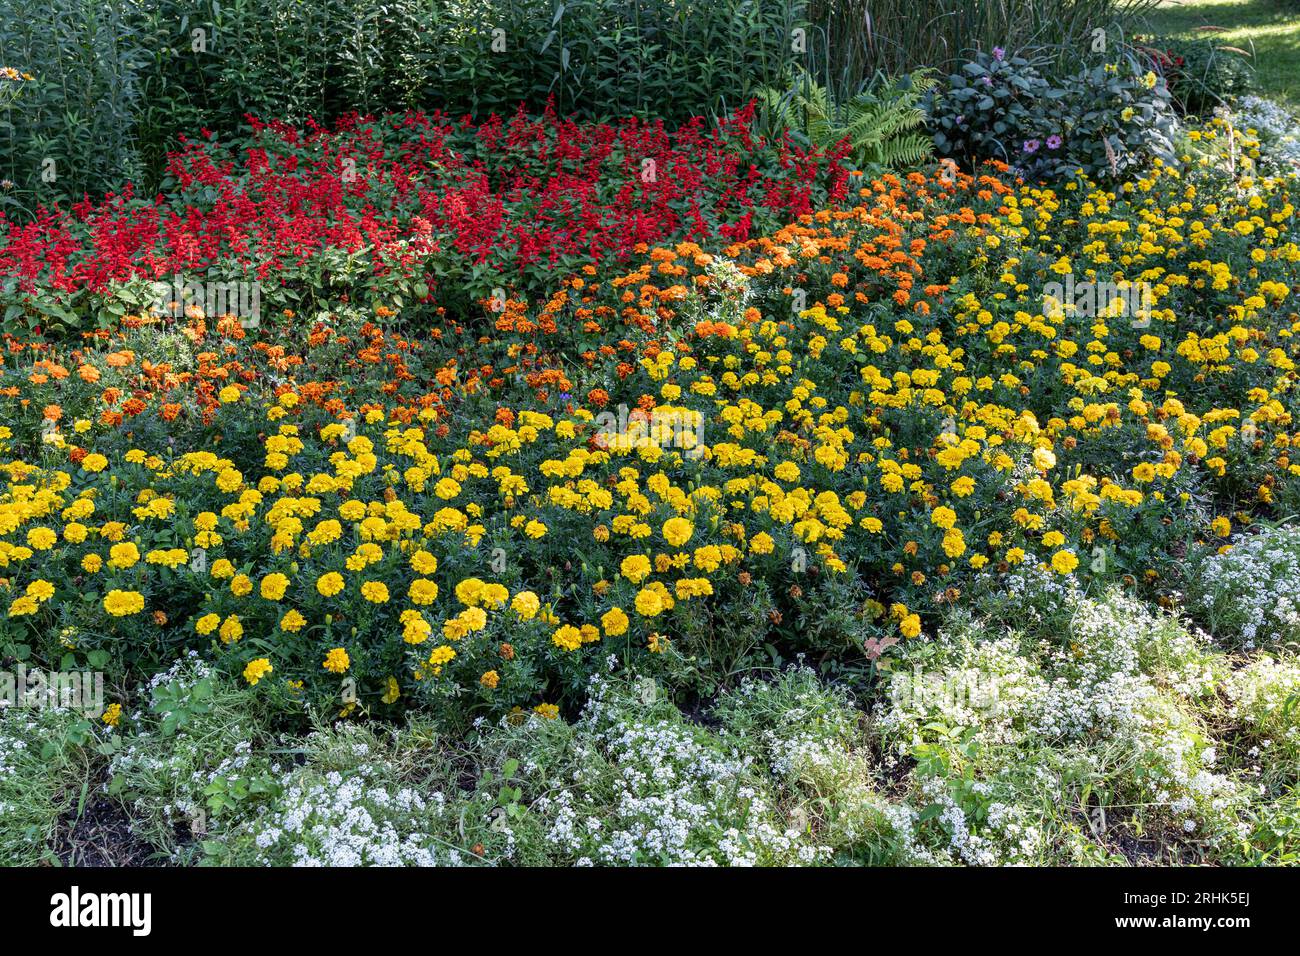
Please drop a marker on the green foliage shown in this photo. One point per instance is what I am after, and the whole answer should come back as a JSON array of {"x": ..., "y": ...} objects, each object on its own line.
[
  {"x": 115, "y": 84},
  {"x": 1202, "y": 73},
  {"x": 73, "y": 129},
  {"x": 1107, "y": 118},
  {"x": 880, "y": 123},
  {"x": 46, "y": 769},
  {"x": 196, "y": 755}
]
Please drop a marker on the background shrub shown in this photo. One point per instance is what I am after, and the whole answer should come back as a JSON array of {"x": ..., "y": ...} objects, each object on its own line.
[
  {"x": 1105, "y": 118},
  {"x": 1200, "y": 74},
  {"x": 115, "y": 81}
]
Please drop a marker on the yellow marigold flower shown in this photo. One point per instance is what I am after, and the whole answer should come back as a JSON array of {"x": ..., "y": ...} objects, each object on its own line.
[
  {"x": 391, "y": 691},
  {"x": 22, "y": 606},
  {"x": 122, "y": 556},
  {"x": 423, "y": 591},
  {"x": 256, "y": 670},
  {"x": 635, "y": 567},
  {"x": 337, "y": 661},
  {"x": 1063, "y": 562},
  {"x": 424, "y": 563},
  {"x": 292, "y": 622},
  {"x": 649, "y": 603},
  {"x": 231, "y": 630},
  {"x": 786, "y": 471},
  {"x": 943, "y": 517},
  {"x": 910, "y": 626},
  {"x": 547, "y": 711},
  {"x": 1221, "y": 526},
  {"x": 493, "y": 595},
  {"x": 677, "y": 531},
  {"x": 490, "y": 679},
  {"x": 122, "y": 603},
  {"x": 40, "y": 590},
  {"x": 42, "y": 539},
  {"x": 415, "y": 629},
  {"x": 708, "y": 558},
  {"x": 112, "y": 715},
  {"x": 614, "y": 621},
  {"x": 207, "y": 623},
  {"x": 376, "y": 592},
  {"x": 526, "y": 604},
  {"x": 330, "y": 583},
  {"x": 94, "y": 462},
  {"x": 273, "y": 586},
  {"x": 567, "y": 638},
  {"x": 241, "y": 585},
  {"x": 468, "y": 591}
]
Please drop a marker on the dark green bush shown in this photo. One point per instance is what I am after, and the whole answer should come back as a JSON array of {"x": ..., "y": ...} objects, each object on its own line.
[{"x": 1103, "y": 119}]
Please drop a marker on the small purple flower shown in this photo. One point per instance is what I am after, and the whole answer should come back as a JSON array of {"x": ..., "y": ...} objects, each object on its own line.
[
  {"x": 1031, "y": 146},
  {"x": 1053, "y": 142},
  {"x": 986, "y": 80},
  {"x": 999, "y": 53}
]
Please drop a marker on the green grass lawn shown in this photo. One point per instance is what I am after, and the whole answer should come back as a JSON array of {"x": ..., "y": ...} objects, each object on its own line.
[{"x": 1268, "y": 29}]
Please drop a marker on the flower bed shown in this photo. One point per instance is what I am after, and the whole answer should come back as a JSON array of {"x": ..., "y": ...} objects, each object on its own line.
[
  {"x": 419, "y": 208},
  {"x": 816, "y": 440}
]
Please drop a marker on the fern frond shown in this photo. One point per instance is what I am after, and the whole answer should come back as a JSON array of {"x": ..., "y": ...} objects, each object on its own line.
[{"x": 879, "y": 122}]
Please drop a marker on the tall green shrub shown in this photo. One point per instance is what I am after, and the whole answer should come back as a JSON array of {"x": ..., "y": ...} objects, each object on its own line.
[{"x": 117, "y": 80}]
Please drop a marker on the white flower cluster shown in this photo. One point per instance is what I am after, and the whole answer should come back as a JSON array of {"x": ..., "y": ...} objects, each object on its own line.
[
  {"x": 1253, "y": 589},
  {"x": 652, "y": 790},
  {"x": 1120, "y": 680},
  {"x": 1275, "y": 125},
  {"x": 170, "y": 772},
  {"x": 17, "y": 728},
  {"x": 1264, "y": 699},
  {"x": 1008, "y": 836},
  {"x": 349, "y": 820}
]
